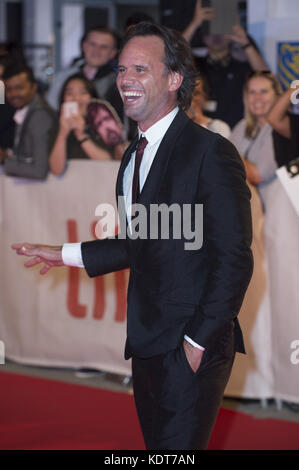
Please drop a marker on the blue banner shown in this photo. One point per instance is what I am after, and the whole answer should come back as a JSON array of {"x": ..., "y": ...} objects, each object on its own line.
[{"x": 288, "y": 63}]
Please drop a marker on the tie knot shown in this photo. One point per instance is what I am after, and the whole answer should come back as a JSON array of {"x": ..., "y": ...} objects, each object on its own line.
[{"x": 141, "y": 144}]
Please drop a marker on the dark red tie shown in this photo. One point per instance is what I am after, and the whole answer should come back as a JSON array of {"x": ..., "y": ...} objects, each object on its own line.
[{"x": 141, "y": 144}]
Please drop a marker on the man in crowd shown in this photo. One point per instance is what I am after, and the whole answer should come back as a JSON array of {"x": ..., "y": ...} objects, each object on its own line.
[
  {"x": 103, "y": 121},
  {"x": 182, "y": 330},
  {"x": 33, "y": 121},
  {"x": 224, "y": 74},
  {"x": 99, "y": 49}
]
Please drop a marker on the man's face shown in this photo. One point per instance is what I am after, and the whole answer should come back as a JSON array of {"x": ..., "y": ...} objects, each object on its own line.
[
  {"x": 107, "y": 127},
  {"x": 147, "y": 89},
  {"x": 217, "y": 43},
  {"x": 98, "y": 49},
  {"x": 19, "y": 90}
]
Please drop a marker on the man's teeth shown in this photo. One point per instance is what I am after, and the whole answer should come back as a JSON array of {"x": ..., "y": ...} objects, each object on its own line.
[{"x": 129, "y": 94}]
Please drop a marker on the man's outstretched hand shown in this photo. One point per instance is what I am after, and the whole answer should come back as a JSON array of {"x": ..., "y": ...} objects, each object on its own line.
[{"x": 51, "y": 256}]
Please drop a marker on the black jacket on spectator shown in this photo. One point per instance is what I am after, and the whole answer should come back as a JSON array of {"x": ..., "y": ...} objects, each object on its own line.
[
  {"x": 294, "y": 122},
  {"x": 287, "y": 149},
  {"x": 7, "y": 126},
  {"x": 226, "y": 81}
]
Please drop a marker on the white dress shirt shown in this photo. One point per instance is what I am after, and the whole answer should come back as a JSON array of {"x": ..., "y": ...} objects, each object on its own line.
[
  {"x": 71, "y": 252},
  {"x": 20, "y": 115},
  {"x": 154, "y": 136}
]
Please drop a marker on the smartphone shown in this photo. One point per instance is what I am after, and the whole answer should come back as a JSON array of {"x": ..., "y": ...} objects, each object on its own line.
[
  {"x": 226, "y": 13},
  {"x": 70, "y": 108}
]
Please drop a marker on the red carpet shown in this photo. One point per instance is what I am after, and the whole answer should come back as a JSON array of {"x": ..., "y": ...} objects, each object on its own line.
[{"x": 47, "y": 414}]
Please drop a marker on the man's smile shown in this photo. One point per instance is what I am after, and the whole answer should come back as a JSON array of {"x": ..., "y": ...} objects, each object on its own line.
[{"x": 131, "y": 96}]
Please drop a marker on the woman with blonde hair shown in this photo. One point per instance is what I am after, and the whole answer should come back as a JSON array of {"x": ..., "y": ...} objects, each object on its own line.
[
  {"x": 253, "y": 135},
  {"x": 269, "y": 314}
]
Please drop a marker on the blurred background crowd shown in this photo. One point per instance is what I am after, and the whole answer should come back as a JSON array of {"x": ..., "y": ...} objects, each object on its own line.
[{"x": 46, "y": 120}]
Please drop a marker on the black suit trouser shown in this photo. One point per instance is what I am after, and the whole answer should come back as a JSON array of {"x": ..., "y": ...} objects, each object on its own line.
[{"x": 177, "y": 408}]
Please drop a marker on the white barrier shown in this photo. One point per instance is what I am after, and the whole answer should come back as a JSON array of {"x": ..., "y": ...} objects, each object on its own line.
[
  {"x": 63, "y": 318},
  {"x": 269, "y": 315},
  {"x": 252, "y": 375},
  {"x": 66, "y": 319}
]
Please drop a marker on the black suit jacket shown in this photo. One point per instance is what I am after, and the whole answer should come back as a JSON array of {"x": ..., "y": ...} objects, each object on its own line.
[{"x": 173, "y": 291}]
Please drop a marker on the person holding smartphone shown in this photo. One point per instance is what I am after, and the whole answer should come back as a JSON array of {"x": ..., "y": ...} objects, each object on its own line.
[
  {"x": 73, "y": 139},
  {"x": 225, "y": 74}
]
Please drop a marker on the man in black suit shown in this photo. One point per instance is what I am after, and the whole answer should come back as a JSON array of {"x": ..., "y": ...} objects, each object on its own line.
[{"x": 182, "y": 327}]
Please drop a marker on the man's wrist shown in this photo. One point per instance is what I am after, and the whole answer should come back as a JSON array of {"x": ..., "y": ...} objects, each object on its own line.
[
  {"x": 193, "y": 343},
  {"x": 63, "y": 133},
  {"x": 196, "y": 23},
  {"x": 83, "y": 139},
  {"x": 72, "y": 255}
]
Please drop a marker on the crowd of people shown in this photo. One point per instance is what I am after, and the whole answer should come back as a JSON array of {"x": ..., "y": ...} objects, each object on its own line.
[
  {"x": 40, "y": 132},
  {"x": 81, "y": 115}
]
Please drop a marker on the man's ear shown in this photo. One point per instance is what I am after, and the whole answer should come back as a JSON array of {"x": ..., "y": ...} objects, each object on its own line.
[{"x": 175, "y": 81}]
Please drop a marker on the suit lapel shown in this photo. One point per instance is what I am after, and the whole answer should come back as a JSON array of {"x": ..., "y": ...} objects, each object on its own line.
[
  {"x": 124, "y": 163},
  {"x": 159, "y": 166}
]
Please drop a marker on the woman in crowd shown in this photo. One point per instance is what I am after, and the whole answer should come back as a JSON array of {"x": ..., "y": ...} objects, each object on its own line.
[
  {"x": 276, "y": 314},
  {"x": 253, "y": 135},
  {"x": 73, "y": 139},
  {"x": 196, "y": 111}
]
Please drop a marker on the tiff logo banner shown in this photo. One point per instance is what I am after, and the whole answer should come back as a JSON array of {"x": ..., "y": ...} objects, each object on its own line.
[
  {"x": 2, "y": 353},
  {"x": 2, "y": 92}
]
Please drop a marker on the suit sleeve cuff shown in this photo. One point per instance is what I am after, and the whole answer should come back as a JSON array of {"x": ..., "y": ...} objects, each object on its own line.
[
  {"x": 72, "y": 255},
  {"x": 193, "y": 343}
]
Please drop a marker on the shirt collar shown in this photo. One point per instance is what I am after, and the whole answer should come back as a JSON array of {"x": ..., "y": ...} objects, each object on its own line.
[
  {"x": 156, "y": 131},
  {"x": 20, "y": 115}
]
